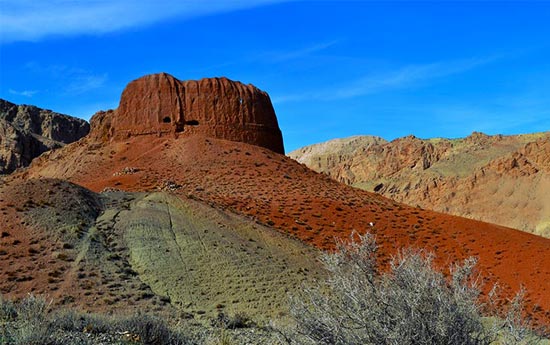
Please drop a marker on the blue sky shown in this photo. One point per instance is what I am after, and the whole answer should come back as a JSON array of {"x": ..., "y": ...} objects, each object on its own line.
[{"x": 332, "y": 68}]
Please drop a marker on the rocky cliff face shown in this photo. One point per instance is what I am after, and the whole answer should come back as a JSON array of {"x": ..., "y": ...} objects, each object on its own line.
[
  {"x": 498, "y": 179},
  {"x": 27, "y": 131},
  {"x": 46, "y": 123},
  {"x": 160, "y": 104},
  {"x": 333, "y": 157}
]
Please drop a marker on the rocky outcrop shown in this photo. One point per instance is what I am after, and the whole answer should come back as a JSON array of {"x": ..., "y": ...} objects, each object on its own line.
[
  {"x": 19, "y": 147},
  {"x": 160, "y": 104},
  {"x": 46, "y": 123},
  {"x": 498, "y": 179},
  {"x": 100, "y": 124},
  {"x": 529, "y": 160},
  {"x": 333, "y": 157},
  {"x": 27, "y": 131},
  {"x": 366, "y": 158}
]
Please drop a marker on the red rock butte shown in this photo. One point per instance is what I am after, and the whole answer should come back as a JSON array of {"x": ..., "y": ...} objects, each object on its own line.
[{"x": 212, "y": 107}]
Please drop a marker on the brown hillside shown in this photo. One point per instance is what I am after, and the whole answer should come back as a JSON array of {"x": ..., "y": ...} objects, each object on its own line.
[
  {"x": 497, "y": 179},
  {"x": 277, "y": 191},
  {"x": 123, "y": 252}
]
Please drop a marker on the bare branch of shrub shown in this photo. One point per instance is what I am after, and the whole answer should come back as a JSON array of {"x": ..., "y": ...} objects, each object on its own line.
[{"x": 412, "y": 303}]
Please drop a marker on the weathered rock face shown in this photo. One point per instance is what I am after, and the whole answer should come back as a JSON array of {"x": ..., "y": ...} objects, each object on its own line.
[
  {"x": 498, "y": 179},
  {"x": 46, "y": 123},
  {"x": 100, "y": 125},
  {"x": 19, "y": 147},
  {"x": 27, "y": 131},
  {"x": 214, "y": 107}
]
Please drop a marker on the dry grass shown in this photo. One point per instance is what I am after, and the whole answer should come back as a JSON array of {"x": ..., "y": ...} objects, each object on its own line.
[{"x": 30, "y": 321}]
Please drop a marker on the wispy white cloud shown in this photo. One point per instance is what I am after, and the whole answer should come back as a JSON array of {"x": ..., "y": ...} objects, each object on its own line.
[
  {"x": 408, "y": 76},
  {"x": 31, "y": 20},
  {"x": 402, "y": 77},
  {"x": 502, "y": 114},
  {"x": 273, "y": 57},
  {"x": 24, "y": 93},
  {"x": 84, "y": 82},
  {"x": 495, "y": 117},
  {"x": 68, "y": 80},
  {"x": 298, "y": 53}
]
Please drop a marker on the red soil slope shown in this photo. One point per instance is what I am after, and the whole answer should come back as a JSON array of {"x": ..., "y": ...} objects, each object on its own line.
[
  {"x": 47, "y": 248},
  {"x": 278, "y": 191}
]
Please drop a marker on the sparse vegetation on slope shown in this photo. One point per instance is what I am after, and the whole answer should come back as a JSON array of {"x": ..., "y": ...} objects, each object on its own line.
[
  {"x": 30, "y": 321},
  {"x": 207, "y": 262},
  {"x": 412, "y": 303},
  {"x": 33, "y": 320},
  {"x": 277, "y": 191},
  {"x": 498, "y": 179}
]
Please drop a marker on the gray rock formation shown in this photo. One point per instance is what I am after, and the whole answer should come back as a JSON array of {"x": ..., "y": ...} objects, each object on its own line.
[{"x": 27, "y": 131}]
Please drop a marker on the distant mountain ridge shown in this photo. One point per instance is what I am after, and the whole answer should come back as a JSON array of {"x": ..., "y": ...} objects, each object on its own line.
[
  {"x": 27, "y": 131},
  {"x": 498, "y": 179}
]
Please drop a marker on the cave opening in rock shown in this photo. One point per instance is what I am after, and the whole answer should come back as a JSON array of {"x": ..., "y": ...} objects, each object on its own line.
[
  {"x": 192, "y": 123},
  {"x": 167, "y": 119},
  {"x": 378, "y": 187}
]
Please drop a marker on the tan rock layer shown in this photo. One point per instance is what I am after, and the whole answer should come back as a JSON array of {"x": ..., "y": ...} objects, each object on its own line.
[
  {"x": 45, "y": 123},
  {"x": 498, "y": 179}
]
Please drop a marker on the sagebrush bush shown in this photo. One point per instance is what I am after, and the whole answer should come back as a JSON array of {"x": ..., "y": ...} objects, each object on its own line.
[
  {"x": 30, "y": 322},
  {"x": 411, "y": 303},
  {"x": 24, "y": 322},
  {"x": 238, "y": 320},
  {"x": 151, "y": 330}
]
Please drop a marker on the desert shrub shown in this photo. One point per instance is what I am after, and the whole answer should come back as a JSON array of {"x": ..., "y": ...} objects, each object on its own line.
[
  {"x": 7, "y": 311},
  {"x": 221, "y": 337},
  {"x": 151, "y": 330},
  {"x": 24, "y": 322},
  {"x": 238, "y": 320},
  {"x": 411, "y": 303},
  {"x": 515, "y": 328},
  {"x": 29, "y": 321},
  {"x": 73, "y": 321}
]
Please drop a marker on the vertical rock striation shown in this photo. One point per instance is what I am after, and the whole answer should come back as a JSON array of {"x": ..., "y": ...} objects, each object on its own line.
[
  {"x": 213, "y": 107},
  {"x": 27, "y": 131}
]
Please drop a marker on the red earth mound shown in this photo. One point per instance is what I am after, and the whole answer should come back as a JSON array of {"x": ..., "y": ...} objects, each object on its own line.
[
  {"x": 36, "y": 259},
  {"x": 277, "y": 191},
  {"x": 212, "y": 107},
  {"x": 49, "y": 247}
]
